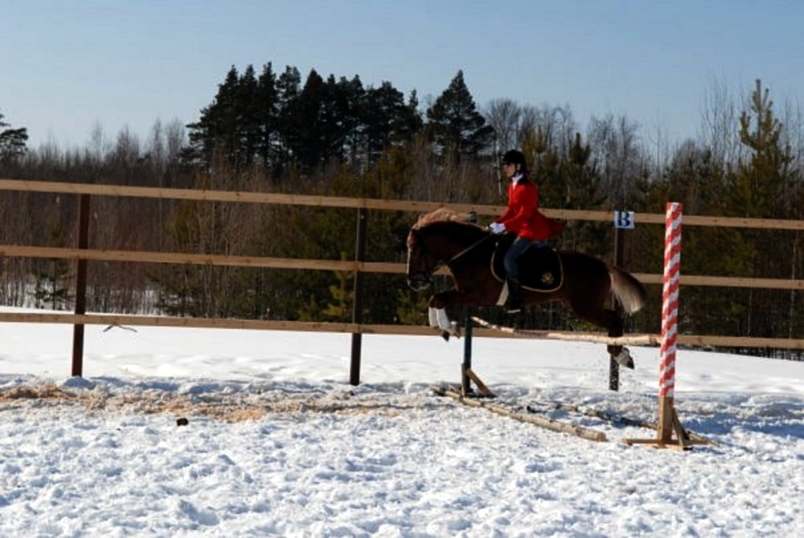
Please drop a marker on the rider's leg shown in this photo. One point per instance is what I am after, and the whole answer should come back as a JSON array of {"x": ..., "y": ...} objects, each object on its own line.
[{"x": 511, "y": 263}]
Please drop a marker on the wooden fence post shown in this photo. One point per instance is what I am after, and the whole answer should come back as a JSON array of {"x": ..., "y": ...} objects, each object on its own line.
[
  {"x": 81, "y": 286},
  {"x": 357, "y": 307}
]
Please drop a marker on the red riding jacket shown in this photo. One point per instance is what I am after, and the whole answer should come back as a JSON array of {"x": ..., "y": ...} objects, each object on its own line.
[{"x": 523, "y": 216}]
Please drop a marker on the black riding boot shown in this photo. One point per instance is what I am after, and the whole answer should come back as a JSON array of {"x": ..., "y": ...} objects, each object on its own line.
[{"x": 514, "y": 303}]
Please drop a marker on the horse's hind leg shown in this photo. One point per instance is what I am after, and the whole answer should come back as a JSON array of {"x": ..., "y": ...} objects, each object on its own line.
[
  {"x": 611, "y": 320},
  {"x": 619, "y": 353}
]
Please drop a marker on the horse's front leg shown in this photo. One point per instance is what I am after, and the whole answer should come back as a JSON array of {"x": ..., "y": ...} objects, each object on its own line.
[{"x": 437, "y": 313}]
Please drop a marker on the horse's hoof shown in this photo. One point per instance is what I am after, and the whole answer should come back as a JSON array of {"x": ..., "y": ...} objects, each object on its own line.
[
  {"x": 445, "y": 336},
  {"x": 624, "y": 358}
]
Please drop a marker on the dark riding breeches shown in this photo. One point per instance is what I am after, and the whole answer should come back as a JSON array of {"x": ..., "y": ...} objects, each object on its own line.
[{"x": 511, "y": 263}]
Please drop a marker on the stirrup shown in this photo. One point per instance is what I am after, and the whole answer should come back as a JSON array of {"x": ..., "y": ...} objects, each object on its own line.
[{"x": 513, "y": 306}]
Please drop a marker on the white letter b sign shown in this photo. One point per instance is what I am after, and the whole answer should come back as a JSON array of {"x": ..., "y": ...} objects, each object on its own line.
[{"x": 624, "y": 220}]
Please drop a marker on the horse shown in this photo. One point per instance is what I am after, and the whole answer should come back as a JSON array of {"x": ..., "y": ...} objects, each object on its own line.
[{"x": 583, "y": 283}]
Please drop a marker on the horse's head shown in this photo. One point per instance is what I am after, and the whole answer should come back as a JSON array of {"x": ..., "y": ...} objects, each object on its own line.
[
  {"x": 422, "y": 262},
  {"x": 434, "y": 241}
]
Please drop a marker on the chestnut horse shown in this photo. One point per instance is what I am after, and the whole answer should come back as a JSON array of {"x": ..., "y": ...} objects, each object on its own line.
[{"x": 582, "y": 282}]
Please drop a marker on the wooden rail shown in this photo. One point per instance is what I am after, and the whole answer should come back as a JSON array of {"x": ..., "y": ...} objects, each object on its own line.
[
  {"x": 369, "y": 203},
  {"x": 692, "y": 340},
  {"x": 357, "y": 266},
  {"x": 334, "y": 265}
]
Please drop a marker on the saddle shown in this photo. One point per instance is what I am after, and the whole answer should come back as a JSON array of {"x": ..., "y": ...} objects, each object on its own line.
[{"x": 540, "y": 268}]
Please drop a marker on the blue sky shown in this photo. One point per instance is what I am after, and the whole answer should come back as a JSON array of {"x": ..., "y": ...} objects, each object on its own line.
[{"x": 67, "y": 66}]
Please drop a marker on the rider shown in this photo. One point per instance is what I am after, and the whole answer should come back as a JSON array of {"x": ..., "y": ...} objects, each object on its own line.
[{"x": 522, "y": 217}]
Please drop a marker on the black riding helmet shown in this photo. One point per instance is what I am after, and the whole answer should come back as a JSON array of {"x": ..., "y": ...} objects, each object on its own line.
[{"x": 515, "y": 157}]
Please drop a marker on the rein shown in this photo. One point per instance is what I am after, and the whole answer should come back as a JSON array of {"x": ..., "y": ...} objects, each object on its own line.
[
  {"x": 468, "y": 249},
  {"x": 464, "y": 252}
]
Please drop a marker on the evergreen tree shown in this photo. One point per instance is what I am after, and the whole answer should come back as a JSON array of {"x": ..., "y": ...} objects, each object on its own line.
[
  {"x": 456, "y": 127},
  {"x": 266, "y": 105},
  {"x": 761, "y": 185},
  {"x": 577, "y": 186},
  {"x": 288, "y": 87},
  {"x": 695, "y": 179},
  {"x": 51, "y": 286},
  {"x": 387, "y": 120},
  {"x": 247, "y": 120},
  {"x": 304, "y": 134},
  {"x": 409, "y": 122},
  {"x": 12, "y": 141},
  {"x": 216, "y": 129},
  {"x": 347, "y": 119}
]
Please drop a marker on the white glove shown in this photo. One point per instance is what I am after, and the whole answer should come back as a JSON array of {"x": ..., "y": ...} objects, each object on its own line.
[{"x": 497, "y": 227}]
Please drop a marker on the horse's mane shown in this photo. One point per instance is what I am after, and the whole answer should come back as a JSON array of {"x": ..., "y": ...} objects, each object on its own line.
[{"x": 442, "y": 214}]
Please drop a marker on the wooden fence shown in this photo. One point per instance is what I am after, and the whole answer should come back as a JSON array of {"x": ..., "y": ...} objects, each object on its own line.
[{"x": 82, "y": 254}]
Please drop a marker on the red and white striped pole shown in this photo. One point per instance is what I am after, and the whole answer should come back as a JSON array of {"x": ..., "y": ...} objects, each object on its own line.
[{"x": 667, "y": 369}]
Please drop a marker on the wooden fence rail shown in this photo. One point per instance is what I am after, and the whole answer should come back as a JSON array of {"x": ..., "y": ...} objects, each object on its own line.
[
  {"x": 125, "y": 320},
  {"x": 335, "y": 265},
  {"x": 370, "y": 203},
  {"x": 357, "y": 266}
]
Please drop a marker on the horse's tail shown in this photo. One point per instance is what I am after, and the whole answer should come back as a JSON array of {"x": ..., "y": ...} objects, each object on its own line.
[{"x": 628, "y": 291}]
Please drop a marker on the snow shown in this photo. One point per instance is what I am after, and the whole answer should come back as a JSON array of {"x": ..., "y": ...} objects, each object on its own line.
[{"x": 278, "y": 442}]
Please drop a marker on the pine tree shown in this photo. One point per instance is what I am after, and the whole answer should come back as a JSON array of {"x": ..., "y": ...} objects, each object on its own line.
[
  {"x": 303, "y": 126},
  {"x": 409, "y": 122},
  {"x": 456, "y": 127},
  {"x": 266, "y": 105},
  {"x": 761, "y": 187},
  {"x": 216, "y": 129},
  {"x": 12, "y": 141},
  {"x": 387, "y": 120},
  {"x": 51, "y": 289},
  {"x": 577, "y": 186},
  {"x": 247, "y": 121},
  {"x": 761, "y": 184}
]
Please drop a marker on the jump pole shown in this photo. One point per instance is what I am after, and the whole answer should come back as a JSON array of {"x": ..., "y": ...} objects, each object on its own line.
[
  {"x": 667, "y": 351},
  {"x": 668, "y": 421},
  {"x": 467, "y": 374}
]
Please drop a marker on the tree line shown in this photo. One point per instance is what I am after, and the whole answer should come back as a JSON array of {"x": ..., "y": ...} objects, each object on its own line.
[{"x": 275, "y": 132}]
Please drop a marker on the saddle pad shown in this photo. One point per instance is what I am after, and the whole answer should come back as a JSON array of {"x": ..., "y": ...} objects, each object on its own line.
[{"x": 540, "y": 268}]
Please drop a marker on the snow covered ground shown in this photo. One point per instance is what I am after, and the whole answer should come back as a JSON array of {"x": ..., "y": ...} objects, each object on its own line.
[{"x": 278, "y": 443}]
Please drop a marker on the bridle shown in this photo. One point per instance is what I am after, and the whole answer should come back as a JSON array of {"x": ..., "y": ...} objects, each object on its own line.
[{"x": 426, "y": 276}]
